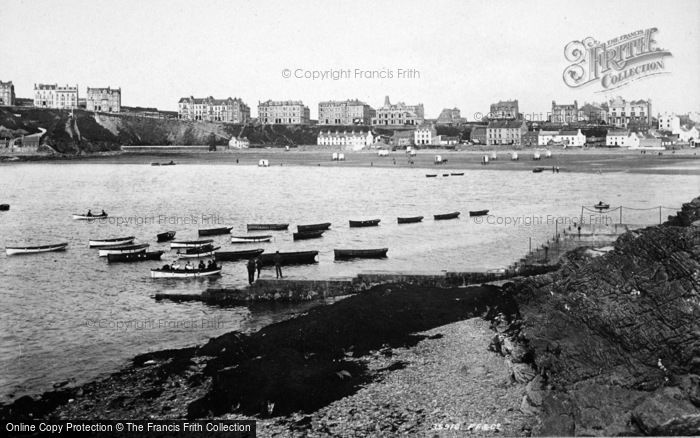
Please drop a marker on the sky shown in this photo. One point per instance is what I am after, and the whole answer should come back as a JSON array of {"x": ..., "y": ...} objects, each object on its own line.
[{"x": 467, "y": 53}]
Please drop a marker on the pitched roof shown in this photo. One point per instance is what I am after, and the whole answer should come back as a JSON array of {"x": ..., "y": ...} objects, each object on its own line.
[{"x": 506, "y": 124}]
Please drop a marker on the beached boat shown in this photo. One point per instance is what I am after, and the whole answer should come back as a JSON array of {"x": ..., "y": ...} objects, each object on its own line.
[
  {"x": 250, "y": 239},
  {"x": 442, "y": 217},
  {"x": 601, "y": 206},
  {"x": 430, "y": 175},
  {"x": 84, "y": 217},
  {"x": 93, "y": 243},
  {"x": 365, "y": 223},
  {"x": 4, "y": 207},
  {"x": 134, "y": 257},
  {"x": 165, "y": 236},
  {"x": 237, "y": 255},
  {"x": 13, "y": 250},
  {"x": 190, "y": 243},
  {"x": 214, "y": 231},
  {"x": 409, "y": 220},
  {"x": 445, "y": 174},
  {"x": 171, "y": 163},
  {"x": 290, "y": 258},
  {"x": 537, "y": 169},
  {"x": 302, "y": 235},
  {"x": 184, "y": 273},
  {"x": 457, "y": 173},
  {"x": 195, "y": 253},
  {"x": 313, "y": 227},
  {"x": 374, "y": 253},
  {"x": 273, "y": 227},
  {"x": 123, "y": 249},
  {"x": 478, "y": 213}
]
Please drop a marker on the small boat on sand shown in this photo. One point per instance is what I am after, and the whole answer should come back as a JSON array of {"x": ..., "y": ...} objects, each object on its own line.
[
  {"x": 537, "y": 169},
  {"x": 251, "y": 239},
  {"x": 457, "y": 173},
  {"x": 478, "y": 213},
  {"x": 165, "y": 236},
  {"x": 365, "y": 223},
  {"x": 184, "y": 273},
  {"x": 93, "y": 243},
  {"x": 13, "y": 250},
  {"x": 442, "y": 217},
  {"x": 290, "y": 258},
  {"x": 195, "y": 253},
  {"x": 313, "y": 227},
  {"x": 302, "y": 235},
  {"x": 85, "y": 217},
  {"x": 214, "y": 231},
  {"x": 190, "y": 243},
  {"x": 273, "y": 227},
  {"x": 4, "y": 207},
  {"x": 134, "y": 257},
  {"x": 123, "y": 249},
  {"x": 237, "y": 255},
  {"x": 374, "y": 253},
  {"x": 601, "y": 206},
  {"x": 430, "y": 175},
  {"x": 409, "y": 220}
]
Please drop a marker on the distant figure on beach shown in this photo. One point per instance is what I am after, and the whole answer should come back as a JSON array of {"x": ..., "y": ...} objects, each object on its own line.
[
  {"x": 557, "y": 169},
  {"x": 579, "y": 231},
  {"x": 258, "y": 265},
  {"x": 236, "y": 160},
  {"x": 371, "y": 164},
  {"x": 251, "y": 270},
  {"x": 278, "y": 264}
]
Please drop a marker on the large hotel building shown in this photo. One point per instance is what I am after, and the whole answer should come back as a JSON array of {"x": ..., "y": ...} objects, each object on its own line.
[
  {"x": 399, "y": 114},
  {"x": 622, "y": 113},
  {"x": 349, "y": 112},
  {"x": 54, "y": 96},
  {"x": 208, "y": 109},
  {"x": 7, "y": 93},
  {"x": 107, "y": 100},
  {"x": 285, "y": 112}
]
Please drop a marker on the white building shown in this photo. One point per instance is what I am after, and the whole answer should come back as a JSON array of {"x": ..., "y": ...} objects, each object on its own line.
[
  {"x": 545, "y": 137},
  {"x": 669, "y": 122},
  {"x": 209, "y": 109},
  {"x": 571, "y": 138},
  {"x": 622, "y": 138},
  {"x": 108, "y": 100},
  {"x": 354, "y": 140},
  {"x": 686, "y": 135},
  {"x": 239, "y": 143},
  {"x": 425, "y": 135},
  {"x": 53, "y": 96}
]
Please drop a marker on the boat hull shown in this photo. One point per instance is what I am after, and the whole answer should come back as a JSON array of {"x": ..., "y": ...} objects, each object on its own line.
[
  {"x": 110, "y": 242},
  {"x": 215, "y": 231},
  {"x": 237, "y": 255},
  {"x": 166, "y": 236},
  {"x": 303, "y": 235},
  {"x": 478, "y": 213},
  {"x": 134, "y": 257},
  {"x": 82, "y": 217},
  {"x": 4, "y": 207},
  {"x": 374, "y": 253},
  {"x": 190, "y": 243},
  {"x": 367, "y": 223},
  {"x": 290, "y": 258},
  {"x": 273, "y": 227},
  {"x": 184, "y": 273},
  {"x": 197, "y": 255},
  {"x": 442, "y": 217},
  {"x": 313, "y": 227},
  {"x": 15, "y": 250},
  {"x": 409, "y": 220},
  {"x": 125, "y": 249},
  {"x": 250, "y": 239}
]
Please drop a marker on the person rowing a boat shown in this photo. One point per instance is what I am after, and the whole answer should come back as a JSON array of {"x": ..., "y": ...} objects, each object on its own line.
[
  {"x": 103, "y": 213},
  {"x": 89, "y": 213}
]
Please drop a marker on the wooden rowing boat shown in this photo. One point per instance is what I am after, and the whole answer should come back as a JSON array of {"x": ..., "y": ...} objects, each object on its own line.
[
  {"x": 184, "y": 273},
  {"x": 374, "y": 253},
  {"x": 290, "y": 258},
  {"x": 430, "y": 175},
  {"x": 84, "y": 217},
  {"x": 273, "y": 227},
  {"x": 123, "y": 249},
  {"x": 537, "y": 169},
  {"x": 409, "y": 220},
  {"x": 93, "y": 243},
  {"x": 365, "y": 223},
  {"x": 237, "y": 255},
  {"x": 214, "y": 231},
  {"x": 601, "y": 206},
  {"x": 250, "y": 239},
  {"x": 313, "y": 227},
  {"x": 14, "y": 250},
  {"x": 134, "y": 257},
  {"x": 457, "y": 173},
  {"x": 302, "y": 235},
  {"x": 165, "y": 236},
  {"x": 4, "y": 207},
  {"x": 442, "y": 217},
  {"x": 190, "y": 243},
  {"x": 196, "y": 253},
  {"x": 478, "y": 213}
]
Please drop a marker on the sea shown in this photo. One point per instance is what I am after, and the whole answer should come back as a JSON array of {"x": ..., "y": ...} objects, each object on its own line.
[{"x": 70, "y": 317}]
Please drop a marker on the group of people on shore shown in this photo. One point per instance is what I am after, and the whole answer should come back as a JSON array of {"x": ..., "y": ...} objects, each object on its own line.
[
  {"x": 256, "y": 264},
  {"x": 175, "y": 266}
]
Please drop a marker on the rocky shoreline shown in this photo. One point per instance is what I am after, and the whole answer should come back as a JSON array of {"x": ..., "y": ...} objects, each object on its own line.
[{"x": 609, "y": 344}]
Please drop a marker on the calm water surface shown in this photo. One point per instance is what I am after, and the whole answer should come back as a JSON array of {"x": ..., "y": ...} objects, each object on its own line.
[{"x": 71, "y": 315}]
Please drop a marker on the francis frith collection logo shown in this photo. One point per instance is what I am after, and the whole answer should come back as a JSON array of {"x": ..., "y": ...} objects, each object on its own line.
[{"x": 616, "y": 62}]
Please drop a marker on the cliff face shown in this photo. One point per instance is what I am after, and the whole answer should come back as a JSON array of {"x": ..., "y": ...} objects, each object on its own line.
[{"x": 616, "y": 337}]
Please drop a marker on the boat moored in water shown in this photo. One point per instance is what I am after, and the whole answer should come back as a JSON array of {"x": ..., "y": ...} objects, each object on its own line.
[
  {"x": 93, "y": 243},
  {"x": 409, "y": 220},
  {"x": 184, "y": 273},
  {"x": 85, "y": 217},
  {"x": 442, "y": 217},
  {"x": 123, "y": 249},
  {"x": 373, "y": 253},
  {"x": 190, "y": 243},
  {"x": 4, "y": 207},
  {"x": 214, "y": 231},
  {"x": 457, "y": 173},
  {"x": 251, "y": 239},
  {"x": 13, "y": 250},
  {"x": 134, "y": 257},
  {"x": 290, "y": 258},
  {"x": 478, "y": 213},
  {"x": 194, "y": 253},
  {"x": 237, "y": 255},
  {"x": 313, "y": 227},
  {"x": 302, "y": 235},
  {"x": 430, "y": 175},
  {"x": 601, "y": 206},
  {"x": 165, "y": 236},
  {"x": 365, "y": 223},
  {"x": 272, "y": 227}
]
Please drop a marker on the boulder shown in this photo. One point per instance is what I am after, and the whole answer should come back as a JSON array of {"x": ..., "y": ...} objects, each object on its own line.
[{"x": 667, "y": 412}]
